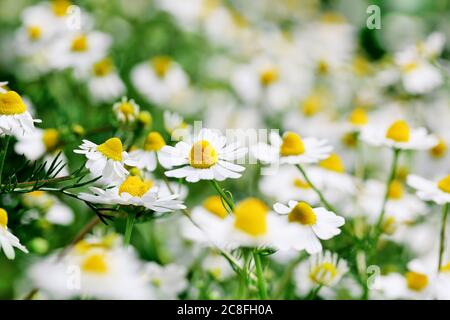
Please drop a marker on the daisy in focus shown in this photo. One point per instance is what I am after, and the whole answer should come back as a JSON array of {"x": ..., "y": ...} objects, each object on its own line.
[
  {"x": 133, "y": 191},
  {"x": 14, "y": 117},
  {"x": 291, "y": 149},
  {"x": 307, "y": 226},
  {"x": 398, "y": 135},
  {"x": 8, "y": 241},
  {"x": 206, "y": 157},
  {"x": 106, "y": 160},
  {"x": 126, "y": 110}
]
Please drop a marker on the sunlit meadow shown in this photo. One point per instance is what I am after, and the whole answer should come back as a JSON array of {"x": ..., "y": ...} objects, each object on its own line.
[{"x": 213, "y": 149}]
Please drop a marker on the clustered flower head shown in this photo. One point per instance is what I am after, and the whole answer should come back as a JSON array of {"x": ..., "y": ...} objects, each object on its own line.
[{"x": 223, "y": 150}]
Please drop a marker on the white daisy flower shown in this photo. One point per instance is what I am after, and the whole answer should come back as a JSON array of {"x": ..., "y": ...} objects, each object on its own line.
[
  {"x": 54, "y": 211},
  {"x": 206, "y": 157},
  {"x": 126, "y": 110},
  {"x": 398, "y": 135},
  {"x": 14, "y": 117},
  {"x": 7, "y": 240},
  {"x": 168, "y": 281},
  {"x": 322, "y": 270},
  {"x": 79, "y": 50},
  {"x": 94, "y": 268},
  {"x": 254, "y": 225},
  {"x": 217, "y": 266},
  {"x": 104, "y": 83},
  {"x": 291, "y": 149},
  {"x": 438, "y": 192},
  {"x": 175, "y": 125},
  {"x": 159, "y": 80},
  {"x": 38, "y": 143},
  {"x": 134, "y": 192},
  {"x": 152, "y": 153},
  {"x": 307, "y": 225},
  {"x": 106, "y": 160}
]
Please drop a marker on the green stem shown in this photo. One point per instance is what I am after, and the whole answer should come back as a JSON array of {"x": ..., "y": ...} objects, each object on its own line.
[
  {"x": 129, "y": 227},
  {"x": 442, "y": 237},
  {"x": 316, "y": 190},
  {"x": 223, "y": 195},
  {"x": 2, "y": 160},
  {"x": 259, "y": 274},
  {"x": 314, "y": 292},
  {"x": 391, "y": 178}
]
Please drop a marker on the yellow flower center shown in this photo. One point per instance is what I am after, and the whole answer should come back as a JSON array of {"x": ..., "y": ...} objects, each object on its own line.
[
  {"x": 95, "y": 263},
  {"x": 145, "y": 117},
  {"x": 312, "y": 105},
  {"x": 398, "y": 131},
  {"x": 112, "y": 149},
  {"x": 127, "y": 109},
  {"x": 358, "y": 117},
  {"x": 103, "y": 67},
  {"x": 203, "y": 155},
  {"x": 439, "y": 150},
  {"x": 324, "y": 273},
  {"x": 214, "y": 205},
  {"x": 34, "y": 32},
  {"x": 322, "y": 67},
  {"x": 161, "y": 65},
  {"x": 154, "y": 141},
  {"x": 79, "y": 44},
  {"x": 416, "y": 281},
  {"x": 361, "y": 66},
  {"x": 333, "y": 163},
  {"x": 396, "y": 190},
  {"x": 299, "y": 183},
  {"x": 3, "y": 218},
  {"x": 302, "y": 213},
  {"x": 50, "y": 139},
  {"x": 389, "y": 225},
  {"x": 135, "y": 186},
  {"x": 444, "y": 184},
  {"x": 349, "y": 139},
  {"x": 11, "y": 103},
  {"x": 60, "y": 7},
  {"x": 83, "y": 246},
  {"x": 292, "y": 145},
  {"x": 410, "y": 67},
  {"x": 445, "y": 268},
  {"x": 251, "y": 217},
  {"x": 268, "y": 76}
]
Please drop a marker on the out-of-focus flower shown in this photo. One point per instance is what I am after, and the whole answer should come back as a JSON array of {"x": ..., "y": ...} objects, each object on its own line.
[
  {"x": 7, "y": 240},
  {"x": 106, "y": 160},
  {"x": 14, "y": 117},
  {"x": 206, "y": 157},
  {"x": 175, "y": 125},
  {"x": 291, "y": 149},
  {"x": 322, "y": 270},
  {"x": 398, "y": 135},
  {"x": 38, "y": 143},
  {"x": 168, "y": 281},
  {"x": 307, "y": 225},
  {"x": 438, "y": 192},
  {"x": 217, "y": 266},
  {"x": 54, "y": 210},
  {"x": 152, "y": 153},
  {"x": 104, "y": 83},
  {"x": 134, "y": 192},
  {"x": 126, "y": 110}
]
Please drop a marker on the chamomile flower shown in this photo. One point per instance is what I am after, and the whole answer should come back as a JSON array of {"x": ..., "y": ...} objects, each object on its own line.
[
  {"x": 106, "y": 160},
  {"x": 254, "y": 225},
  {"x": 97, "y": 267},
  {"x": 14, "y": 117},
  {"x": 398, "y": 135},
  {"x": 7, "y": 240},
  {"x": 291, "y": 149},
  {"x": 79, "y": 50},
  {"x": 322, "y": 270},
  {"x": 307, "y": 226},
  {"x": 133, "y": 191},
  {"x": 38, "y": 143},
  {"x": 438, "y": 192},
  {"x": 152, "y": 153},
  {"x": 104, "y": 83},
  {"x": 52, "y": 209},
  {"x": 217, "y": 266},
  {"x": 206, "y": 157},
  {"x": 126, "y": 110},
  {"x": 175, "y": 125},
  {"x": 160, "y": 80},
  {"x": 168, "y": 281}
]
